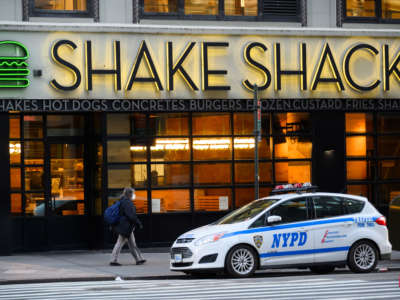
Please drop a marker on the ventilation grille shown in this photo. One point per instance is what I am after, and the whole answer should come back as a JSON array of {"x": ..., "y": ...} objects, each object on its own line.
[{"x": 289, "y": 8}]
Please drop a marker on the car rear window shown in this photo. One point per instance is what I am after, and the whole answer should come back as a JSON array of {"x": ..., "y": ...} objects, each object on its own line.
[{"x": 353, "y": 206}]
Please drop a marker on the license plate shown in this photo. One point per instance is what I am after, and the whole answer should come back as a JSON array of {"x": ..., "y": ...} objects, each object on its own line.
[{"x": 178, "y": 257}]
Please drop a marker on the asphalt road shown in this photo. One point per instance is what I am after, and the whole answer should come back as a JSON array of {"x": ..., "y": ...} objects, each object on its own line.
[{"x": 265, "y": 285}]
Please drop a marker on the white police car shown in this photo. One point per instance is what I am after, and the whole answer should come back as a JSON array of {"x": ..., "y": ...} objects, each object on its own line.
[{"x": 310, "y": 229}]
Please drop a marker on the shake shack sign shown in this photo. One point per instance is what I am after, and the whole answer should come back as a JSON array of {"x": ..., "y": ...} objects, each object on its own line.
[{"x": 169, "y": 66}]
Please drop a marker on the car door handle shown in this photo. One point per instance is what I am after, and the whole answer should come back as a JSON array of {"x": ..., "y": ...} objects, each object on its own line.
[
  {"x": 303, "y": 229},
  {"x": 348, "y": 223}
]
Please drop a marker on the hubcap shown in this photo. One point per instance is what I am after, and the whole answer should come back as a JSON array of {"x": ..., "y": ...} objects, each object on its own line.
[
  {"x": 364, "y": 256},
  {"x": 242, "y": 261}
]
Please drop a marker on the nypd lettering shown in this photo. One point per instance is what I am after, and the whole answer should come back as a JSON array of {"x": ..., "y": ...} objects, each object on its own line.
[{"x": 290, "y": 239}]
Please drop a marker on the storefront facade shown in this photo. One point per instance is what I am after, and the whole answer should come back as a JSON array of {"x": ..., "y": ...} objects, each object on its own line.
[{"x": 169, "y": 111}]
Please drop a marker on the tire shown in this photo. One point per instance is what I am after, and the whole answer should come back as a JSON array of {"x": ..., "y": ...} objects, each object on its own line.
[
  {"x": 241, "y": 261},
  {"x": 363, "y": 257},
  {"x": 322, "y": 269}
]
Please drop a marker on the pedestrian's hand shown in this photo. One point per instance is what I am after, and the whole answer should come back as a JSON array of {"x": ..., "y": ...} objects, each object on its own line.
[{"x": 140, "y": 226}]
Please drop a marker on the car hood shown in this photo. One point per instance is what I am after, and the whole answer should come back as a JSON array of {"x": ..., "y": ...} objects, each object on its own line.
[{"x": 212, "y": 229}]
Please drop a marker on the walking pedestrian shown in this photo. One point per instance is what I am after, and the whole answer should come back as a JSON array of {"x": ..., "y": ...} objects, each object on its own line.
[{"x": 125, "y": 228}]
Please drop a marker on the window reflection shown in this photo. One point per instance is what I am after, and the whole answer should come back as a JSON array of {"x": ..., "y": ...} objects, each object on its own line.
[
  {"x": 244, "y": 172},
  {"x": 358, "y": 170},
  {"x": 359, "y": 122},
  {"x": 389, "y": 146},
  {"x": 212, "y": 148},
  {"x": 65, "y": 125},
  {"x": 211, "y": 124},
  {"x": 67, "y": 179},
  {"x": 212, "y": 173},
  {"x": 243, "y": 196},
  {"x": 120, "y": 176},
  {"x": 293, "y": 171},
  {"x": 34, "y": 178},
  {"x": 15, "y": 128},
  {"x": 170, "y": 124},
  {"x": 77, "y": 5},
  {"x": 359, "y": 146},
  {"x": 170, "y": 200},
  {"x": 170, "y": 174},
  {"x": 15, "y": 152},
  {"x": 33, "y": 127},
  {"x": 35, "y": 204},
  {"x": 388, "y": 122},
  {"x": 390, "y": 9},
  {"x": 125, "y": 151},
  {"x": 201, "y": 7},
  {"x": 171, "y": 149},
  {"x": 212, "y": 199},
  {"x": 34, "y": 153},
  {"x": 241, "y": 7},
  {"x": 360, "y": 8},
  {"x": 16, "y": 204},
  {"x": 389, "y": 169},
  {"x": 118, "y": 124},
  {"x": 15, "y": 178},
  {"x": 161, "y": 6}
]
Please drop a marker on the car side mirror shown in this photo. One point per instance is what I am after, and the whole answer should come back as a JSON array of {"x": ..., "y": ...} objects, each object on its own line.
[{"x": 274, "y": 219}]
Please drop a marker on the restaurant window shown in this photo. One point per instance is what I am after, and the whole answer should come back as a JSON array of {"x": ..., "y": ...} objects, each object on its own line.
[
  {"x": 255, "y": 10},
  {"x": 31, "y": 152},
  {"x": 61, "y": 8},
  {"x": 371, "y": 10},
  {"x": 212, "y": 199}
]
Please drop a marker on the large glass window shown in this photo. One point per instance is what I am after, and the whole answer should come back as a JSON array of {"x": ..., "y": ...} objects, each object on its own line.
[
  {"x": 73, "y": 8},
  {"x": 241, "y": 7},
  {"x": 378, "y": 10},
  {"x": 257, "y": 10},
  {"x": 210, "y": 154},
  {"x": 161, "y": 6},
  {"x": 373, "y": 156},
  {"x": 33, "y": 148}
]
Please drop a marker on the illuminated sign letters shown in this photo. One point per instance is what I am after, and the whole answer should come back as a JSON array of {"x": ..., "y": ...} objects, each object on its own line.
[{"x": 256, "y": 57}]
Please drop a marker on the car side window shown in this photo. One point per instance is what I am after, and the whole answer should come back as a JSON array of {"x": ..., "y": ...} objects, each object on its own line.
[
  {"x": 327, "y": 206},
  {"x": 293, "y": 210},
  {"x": 353, "y": 206},
  {"x": 259, "y": 222}
]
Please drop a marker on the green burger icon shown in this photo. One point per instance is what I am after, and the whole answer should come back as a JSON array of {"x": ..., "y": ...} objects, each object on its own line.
[{"x": 13, "y": 67}]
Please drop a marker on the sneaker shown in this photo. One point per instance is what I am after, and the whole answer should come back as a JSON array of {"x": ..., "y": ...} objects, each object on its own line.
[
  {"x": 114, "y": 263},
  {"x": 141, "y": 262}
]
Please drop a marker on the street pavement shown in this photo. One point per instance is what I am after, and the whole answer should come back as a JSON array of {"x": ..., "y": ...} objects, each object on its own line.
[
  {"x": 332, "y": 286},
  {"x": 94, "y": 265}
]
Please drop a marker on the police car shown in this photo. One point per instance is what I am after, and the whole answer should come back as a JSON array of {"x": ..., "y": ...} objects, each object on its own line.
[{"x": 300, "y": 228}]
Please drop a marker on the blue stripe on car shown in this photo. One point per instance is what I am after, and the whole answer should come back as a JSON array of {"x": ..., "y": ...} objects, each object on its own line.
[
  {"x": 286, "y": 226},
  {"x": 309, "y": 251}
]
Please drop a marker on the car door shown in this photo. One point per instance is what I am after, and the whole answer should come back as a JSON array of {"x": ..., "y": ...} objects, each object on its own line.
[
  {"x": 331, "y": 228},
  {"x": 288, "y": 241}
]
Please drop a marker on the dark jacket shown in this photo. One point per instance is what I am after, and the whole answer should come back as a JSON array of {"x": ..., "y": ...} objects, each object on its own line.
[{"x": 128, "y": 219}]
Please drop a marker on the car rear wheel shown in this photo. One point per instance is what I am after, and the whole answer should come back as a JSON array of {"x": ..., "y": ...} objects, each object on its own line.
[
  {"x": 322, "y": 269},
  {"x": 363, "y": 257},
  {"x": 241, "y": 261}
]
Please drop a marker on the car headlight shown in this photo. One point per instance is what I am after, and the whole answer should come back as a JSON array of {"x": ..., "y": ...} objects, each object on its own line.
[{"x": 211, "y": 238}]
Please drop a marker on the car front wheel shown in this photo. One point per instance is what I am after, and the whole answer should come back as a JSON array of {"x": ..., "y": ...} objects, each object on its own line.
[
  {"x": 241, "y": 261},
  {"x": 363, "y": 257}
]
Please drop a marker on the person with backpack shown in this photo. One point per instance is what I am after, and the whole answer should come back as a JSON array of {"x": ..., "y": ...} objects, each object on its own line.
[{"x": 125, "y": 227}]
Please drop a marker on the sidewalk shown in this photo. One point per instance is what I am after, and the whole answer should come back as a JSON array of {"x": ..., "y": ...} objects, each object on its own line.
[{"x": 93, "y": 265}]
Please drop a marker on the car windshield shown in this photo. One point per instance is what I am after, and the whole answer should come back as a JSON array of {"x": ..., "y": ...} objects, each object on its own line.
[{"x": 246, "y": 212}]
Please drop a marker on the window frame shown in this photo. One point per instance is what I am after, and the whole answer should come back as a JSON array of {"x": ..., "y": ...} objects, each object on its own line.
[
  {"x": 180, "y": 15},
  {"x": 377, "y": 19},
  {"x": 89, "y": 13}
]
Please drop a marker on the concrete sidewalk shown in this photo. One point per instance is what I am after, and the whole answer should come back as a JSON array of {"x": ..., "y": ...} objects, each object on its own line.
[{"x": 93, "y": 265}]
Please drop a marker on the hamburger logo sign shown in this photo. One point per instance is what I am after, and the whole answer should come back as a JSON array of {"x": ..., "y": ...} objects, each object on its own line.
[{"x": 13, "y": 65}]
